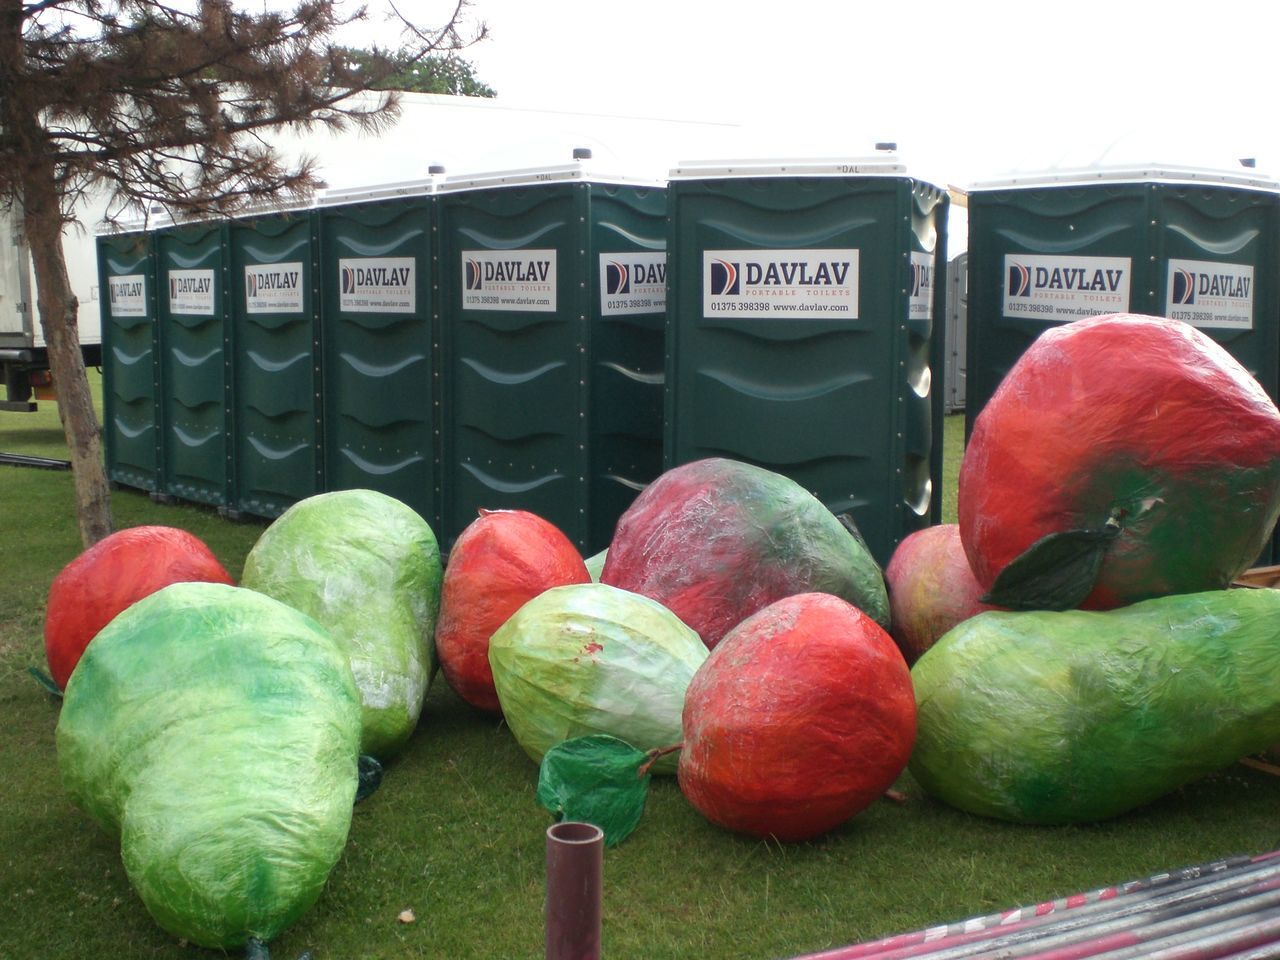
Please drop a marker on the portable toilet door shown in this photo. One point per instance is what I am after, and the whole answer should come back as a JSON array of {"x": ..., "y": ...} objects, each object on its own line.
[
  {"x": 379, "y": 344},
  {"x": 191, "y": 270},
  {"x": 130, "y": 368},
  {"x": 275, "y": 369},
  {"x": 552, "y": 285}
]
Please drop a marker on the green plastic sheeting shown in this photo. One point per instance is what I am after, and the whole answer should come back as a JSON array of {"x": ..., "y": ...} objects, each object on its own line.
[
  {"x": 367, "y": 567},
  {"x": 595, "y": 780},
  {"x": 590, "y": 658},
  {"x": 1044, "y": 717},
  {"x": 215, "y": 732}
]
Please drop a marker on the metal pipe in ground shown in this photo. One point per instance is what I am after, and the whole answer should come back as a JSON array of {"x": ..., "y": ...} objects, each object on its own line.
[{"x": 575, "y": 879}]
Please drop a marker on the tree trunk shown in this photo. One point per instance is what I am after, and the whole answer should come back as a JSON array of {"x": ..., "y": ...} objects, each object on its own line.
[{"x": 59, "y": 318}]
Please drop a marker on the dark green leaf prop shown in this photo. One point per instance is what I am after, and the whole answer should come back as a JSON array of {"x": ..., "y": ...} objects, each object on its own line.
[
  {"x": 596, "y": 779},
  {"x": 1057, "y": 572},
  {"x": 370, "y": 773},
  {"x": 45, "y": 681}
]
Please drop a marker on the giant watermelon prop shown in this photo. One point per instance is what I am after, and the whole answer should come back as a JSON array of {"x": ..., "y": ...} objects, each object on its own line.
[
  {"x": 1123, "y": 457},
  {"x": 1077, "y": 715},
  {"x": 503, "y": 559},
  {"x": 114, "y": 573},
  {"x": 214, "y": 731},
  {"x": 591, "y": 659},
  {"x": 367, "y": 567},
  {"x": 931, "y": 588},
  {"x": 800, "y": 718},
  {"x": 716, "y": 540}
]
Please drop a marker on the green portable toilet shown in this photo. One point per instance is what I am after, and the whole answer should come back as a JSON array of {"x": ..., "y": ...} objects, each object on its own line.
[
  {"x": 1197, "y": 245},
  {"x": 130, "y": 371},
  {"x": 552, "y": 298},
  {"x": 800, "y": 331},
  {"x": 378, "y": 343},
  {"x": 275, "y": 368},
  {"x": 191, "y": 272}
]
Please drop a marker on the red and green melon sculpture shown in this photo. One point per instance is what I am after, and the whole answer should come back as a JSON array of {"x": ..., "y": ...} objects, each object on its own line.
[
  {"x": 502, "y": 560},
  {"x": 801, "y": 717},
  {"x": 111, "y": 576},
  {"x": 716, "y": 540},
  {"x": 1123, "y": 457}
]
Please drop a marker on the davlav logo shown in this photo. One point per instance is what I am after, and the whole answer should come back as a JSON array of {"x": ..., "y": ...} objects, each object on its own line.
[
  {"x": 724, "y": 278},
  {"x": 617, "y": 278},
  {"x": 730, "y": 278},
  {"x": 1066, "y": 276},
  {"x": 1019, "y": 280},
  {"x": 1224, "y": 283},
  {"x": 624, "y": 277},
  {"x": 252, "y": 281},
  {"x": 921, "y": 278},
  {"x": 524, "y": 269},
  {"x": 125, "y": 288},
  {"x": 179, "y": 285},
  {"x": 355, "y": 278}
]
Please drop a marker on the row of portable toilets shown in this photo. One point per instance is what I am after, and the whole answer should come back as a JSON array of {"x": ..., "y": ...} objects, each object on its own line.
[{"x": 552, "y": 340}]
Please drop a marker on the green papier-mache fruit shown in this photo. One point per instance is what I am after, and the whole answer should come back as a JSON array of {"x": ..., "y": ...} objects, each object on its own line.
[
  {"x": 215, "y": 731},
  {"x": 1044, "y": 717},
  {"x": 589, "y": 658},
  {"x": 367, "y": 568}
]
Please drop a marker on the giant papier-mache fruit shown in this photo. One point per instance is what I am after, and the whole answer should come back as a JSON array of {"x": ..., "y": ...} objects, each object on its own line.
[
  {"x": 1123, "y": 457},
  {"x": 114, "y": 573},
  {"x": 801, "y": 717},
  {"x": 367, "y": 567},
  {"x": 590, "y": 658},
  {"x": 503, "y": 559},
  {"x": 716, "y": 540},
  {"x": 214, "y": 731},
  {"x": 931, "y": 588},
  {"x": 1073, "y": 716}
]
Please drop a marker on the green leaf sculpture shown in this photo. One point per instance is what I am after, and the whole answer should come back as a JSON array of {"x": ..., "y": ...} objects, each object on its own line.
[{"x": 597, "y": 779}]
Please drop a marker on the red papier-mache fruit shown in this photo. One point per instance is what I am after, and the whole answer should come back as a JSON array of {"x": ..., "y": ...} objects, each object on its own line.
[
  {"x": 716, "y": 540},
  {"x": 801, "y": 716},
  {"x": 502, "y": 560},
  {"x": 931, "y": 588},
  {"x": 1123, "y": 457},
  {"x": 114, "y": 574}
]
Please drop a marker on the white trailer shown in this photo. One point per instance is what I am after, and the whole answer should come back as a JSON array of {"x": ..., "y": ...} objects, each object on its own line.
[{"x": 24, "y": 359}]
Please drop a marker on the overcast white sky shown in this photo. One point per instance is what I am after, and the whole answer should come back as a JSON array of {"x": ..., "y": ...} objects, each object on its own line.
[{"x": 968, "y": 90}]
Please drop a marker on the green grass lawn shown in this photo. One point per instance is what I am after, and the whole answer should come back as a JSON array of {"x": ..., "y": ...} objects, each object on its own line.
[{"x": 455, "y": 835}]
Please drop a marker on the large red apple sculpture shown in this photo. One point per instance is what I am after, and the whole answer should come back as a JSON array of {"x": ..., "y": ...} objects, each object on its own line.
[
  {"x": 502, "y": 560},
  {"x": 1123, "y": 457},
  {"x": 801, "y": 716},
  {"x": 114, "y": 574}
]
